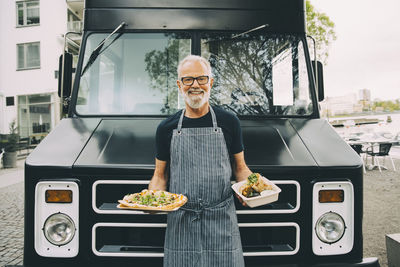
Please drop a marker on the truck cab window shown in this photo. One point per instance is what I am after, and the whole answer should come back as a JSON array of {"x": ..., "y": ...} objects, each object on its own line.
[
  {"x": 136, "y": 75},
  {"x": 258, "y": 73}
]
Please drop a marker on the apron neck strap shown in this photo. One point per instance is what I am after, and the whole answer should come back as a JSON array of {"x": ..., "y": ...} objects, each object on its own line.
[{"x": 214, "y": 119}]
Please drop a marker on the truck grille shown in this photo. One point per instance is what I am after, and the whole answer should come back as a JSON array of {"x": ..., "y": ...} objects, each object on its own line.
[
  {"x": 106, "y": 192},
  {"x": 147, "y": 239},
  {"x": 121, "y": 238}
]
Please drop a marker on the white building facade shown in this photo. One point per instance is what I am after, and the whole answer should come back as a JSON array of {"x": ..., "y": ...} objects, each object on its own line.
[
  {"x": 339, "y": 105},
  {"x": 32, "y": 39}
]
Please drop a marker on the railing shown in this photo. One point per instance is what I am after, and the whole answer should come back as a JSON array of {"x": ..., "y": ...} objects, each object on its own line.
[
  {"x": 75, "y": 26},
  {"x": 26, "y": 146}
]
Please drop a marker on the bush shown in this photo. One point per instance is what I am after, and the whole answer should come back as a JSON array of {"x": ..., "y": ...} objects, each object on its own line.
[
  {"x": 3, "y": 144},
  {"x": 12, "y": 139}
]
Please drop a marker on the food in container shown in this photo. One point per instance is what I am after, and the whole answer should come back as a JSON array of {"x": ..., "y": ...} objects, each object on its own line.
[{"x": 257, "y": 190}]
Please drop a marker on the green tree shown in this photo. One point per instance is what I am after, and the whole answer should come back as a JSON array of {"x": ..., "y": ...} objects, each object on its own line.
[
  {"x": 322, "y": 29},
  {"x": 387, "y": 105}
]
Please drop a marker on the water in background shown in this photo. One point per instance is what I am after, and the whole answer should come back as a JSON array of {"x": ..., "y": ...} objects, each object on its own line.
[{"x": 383, "y": 126}]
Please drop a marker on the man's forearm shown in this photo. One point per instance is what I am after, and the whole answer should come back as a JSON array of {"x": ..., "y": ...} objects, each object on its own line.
[
  {"x": 159, "y": 180},
  {"x": 241, "y": 170}
]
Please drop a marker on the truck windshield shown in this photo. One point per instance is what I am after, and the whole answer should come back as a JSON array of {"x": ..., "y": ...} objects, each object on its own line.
[
  {"x": 136, "y": 75},
  {"x": 258, "y": 74},
  {"x": 255, "y": 74}
]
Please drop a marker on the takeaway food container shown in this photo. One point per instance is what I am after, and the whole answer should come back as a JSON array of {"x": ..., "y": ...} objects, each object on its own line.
[{"x": 266, "y": 196}]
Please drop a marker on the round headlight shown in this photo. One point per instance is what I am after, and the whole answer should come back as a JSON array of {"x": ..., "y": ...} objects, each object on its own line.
[
  {"x": 59, "y": 229},
  {"x": 330, "y": 227}
]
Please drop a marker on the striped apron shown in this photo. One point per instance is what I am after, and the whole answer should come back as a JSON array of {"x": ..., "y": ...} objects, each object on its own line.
[{"x": 205, "y": 231}]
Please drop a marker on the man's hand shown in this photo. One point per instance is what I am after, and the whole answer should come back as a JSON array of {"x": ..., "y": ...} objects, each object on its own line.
[
  {"x": 240, "y": 200},
  {"x": 159, "y": 180},
  {"x": 241, "y": 172}
]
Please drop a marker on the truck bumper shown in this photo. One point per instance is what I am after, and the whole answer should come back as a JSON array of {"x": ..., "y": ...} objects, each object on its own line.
[{"x": 366, "y": 262}]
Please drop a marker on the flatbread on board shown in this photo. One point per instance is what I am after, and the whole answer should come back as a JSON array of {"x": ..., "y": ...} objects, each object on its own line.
[{"x": 152, "y": 200}]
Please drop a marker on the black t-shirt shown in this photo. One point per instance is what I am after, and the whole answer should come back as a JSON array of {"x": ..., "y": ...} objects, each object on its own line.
[{"x": 227, "y": 121}]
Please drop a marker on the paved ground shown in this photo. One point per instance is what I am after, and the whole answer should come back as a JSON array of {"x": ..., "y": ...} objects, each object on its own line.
[
  {"x": 13, "y": 175},
  {"x": 381, "y": 210},
  {"x": 379, "y": 217},
  {"x": 12, "y": 215}
]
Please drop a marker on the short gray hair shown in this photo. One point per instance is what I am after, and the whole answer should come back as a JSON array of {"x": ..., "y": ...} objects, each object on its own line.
[{"x": 194, "y": 58}]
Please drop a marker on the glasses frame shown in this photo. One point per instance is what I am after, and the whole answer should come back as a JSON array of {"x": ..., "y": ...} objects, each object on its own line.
[{"x": 195, "y": 78}]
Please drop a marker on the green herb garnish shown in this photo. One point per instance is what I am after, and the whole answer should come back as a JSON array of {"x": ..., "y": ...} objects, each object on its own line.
[{"x": 252, "y": 179}]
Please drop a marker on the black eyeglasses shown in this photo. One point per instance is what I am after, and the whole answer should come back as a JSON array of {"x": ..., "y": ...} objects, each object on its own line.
[{"x": 201, "y": 80}]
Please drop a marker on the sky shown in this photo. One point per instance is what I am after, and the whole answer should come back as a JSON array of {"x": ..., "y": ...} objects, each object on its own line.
[{"x": 366, "y": 53}]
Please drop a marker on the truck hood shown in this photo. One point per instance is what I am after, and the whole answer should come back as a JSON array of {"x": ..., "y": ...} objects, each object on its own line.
[
  {"x": 121, "y": 143},
  {"x": 130, "y": 143},
  {"x": 298, "y": 143}
]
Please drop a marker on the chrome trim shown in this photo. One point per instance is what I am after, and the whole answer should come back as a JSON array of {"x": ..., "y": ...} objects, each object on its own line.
[
  {"x": 139, "y": 254},
  {"x": 124, "y": 254},
  {"x": 250, "y": 211},
  {"x": 115, "y": 182},
  {"x": 266, "y": 253}
]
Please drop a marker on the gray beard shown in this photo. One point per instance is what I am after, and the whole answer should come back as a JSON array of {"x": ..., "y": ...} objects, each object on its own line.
[{"x": 196, "y": 102}]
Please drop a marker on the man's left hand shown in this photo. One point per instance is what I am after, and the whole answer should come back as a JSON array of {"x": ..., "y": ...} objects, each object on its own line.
[{"x": 240, "y": 200}]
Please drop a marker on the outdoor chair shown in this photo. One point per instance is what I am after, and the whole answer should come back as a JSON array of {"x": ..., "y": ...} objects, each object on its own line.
[
  {"x": 379, "y": 150},
  {"x": 358, "y": 149},
  {"x": 1, "y": 158}
]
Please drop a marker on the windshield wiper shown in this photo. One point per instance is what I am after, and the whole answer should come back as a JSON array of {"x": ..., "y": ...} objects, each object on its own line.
[
  {"x": 237, "y": 35},
  {"x": 252, "y": 30},
  {"x": 98, "y": 50}
]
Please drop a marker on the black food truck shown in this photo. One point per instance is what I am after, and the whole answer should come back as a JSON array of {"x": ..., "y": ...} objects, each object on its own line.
[{"x": 125, "y": 85}]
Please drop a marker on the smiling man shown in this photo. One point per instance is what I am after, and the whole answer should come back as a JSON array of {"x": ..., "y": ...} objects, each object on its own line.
[{"x": 199, "y": 144}]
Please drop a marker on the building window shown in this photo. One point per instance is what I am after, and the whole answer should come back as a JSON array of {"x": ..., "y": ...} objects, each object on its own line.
[
  {"x": 35, "y": 115},
  {"x": 9, "y": 101},
  {"x": 27, "y": 13},
  {"x": 28, "y": 55}
]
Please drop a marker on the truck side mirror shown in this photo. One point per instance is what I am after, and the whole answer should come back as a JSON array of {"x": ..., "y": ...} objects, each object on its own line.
[
  {"x": 319, "y": 78},
  {"x": 65, "y": 75}
]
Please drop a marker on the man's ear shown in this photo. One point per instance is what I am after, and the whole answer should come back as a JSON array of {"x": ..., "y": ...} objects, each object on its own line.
[
  {"x": 211, "y": 82},
  {"x": 179, "y": 87}
]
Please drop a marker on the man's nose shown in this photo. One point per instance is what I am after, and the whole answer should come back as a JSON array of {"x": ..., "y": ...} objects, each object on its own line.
[{"x": 195, "y": 83}]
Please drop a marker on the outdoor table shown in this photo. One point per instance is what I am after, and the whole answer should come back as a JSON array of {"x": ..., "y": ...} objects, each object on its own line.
[
  {"x": 357, "y": 142},
  {"x": 372, "y": 143}
]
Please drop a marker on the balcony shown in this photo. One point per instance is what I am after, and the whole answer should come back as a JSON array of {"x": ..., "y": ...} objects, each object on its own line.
[
  {"x": 76, "y": 6},
  {"x": 74, "y": 26}
]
